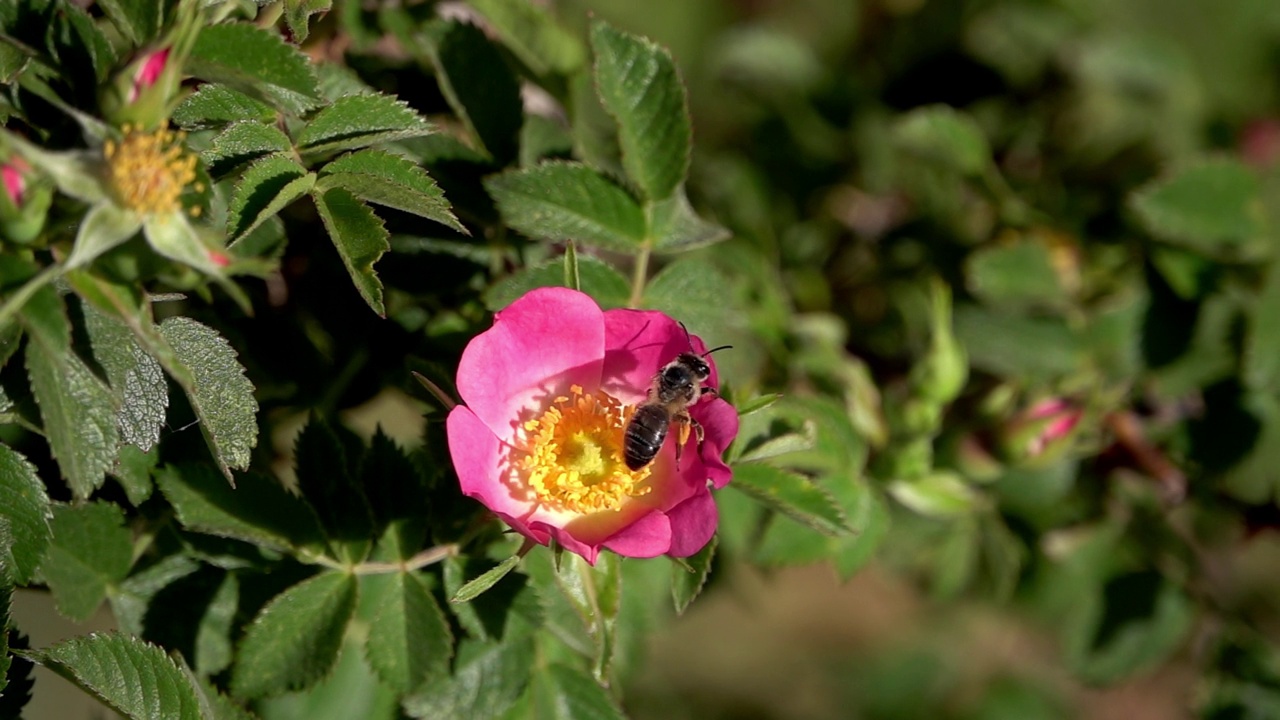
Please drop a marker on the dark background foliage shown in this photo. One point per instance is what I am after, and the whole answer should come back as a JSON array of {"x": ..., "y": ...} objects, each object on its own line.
[{"x": 999, "y": 275}]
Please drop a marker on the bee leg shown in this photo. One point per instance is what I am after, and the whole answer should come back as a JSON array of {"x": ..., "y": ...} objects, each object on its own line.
[{"x": 687, "y": 424}]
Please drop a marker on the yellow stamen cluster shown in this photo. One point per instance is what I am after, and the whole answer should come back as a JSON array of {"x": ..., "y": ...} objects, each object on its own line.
[
  {"x": 572, "y": 456},
  {"x": 149, "y": 170}
]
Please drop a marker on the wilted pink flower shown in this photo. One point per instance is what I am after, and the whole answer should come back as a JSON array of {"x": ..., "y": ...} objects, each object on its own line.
[
  {"x": 548, "y": 390},
  {"x": 15, "y": 179},
  {"x": 148, "y": 72}
]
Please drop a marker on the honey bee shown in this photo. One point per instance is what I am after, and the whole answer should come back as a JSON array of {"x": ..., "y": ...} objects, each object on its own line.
[{"x": 676, "y": 387}]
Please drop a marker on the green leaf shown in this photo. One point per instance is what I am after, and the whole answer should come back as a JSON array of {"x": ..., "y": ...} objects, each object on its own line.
[
  {"x": 360, "y": 238},
  {"x": 943, "y": 135},
  {"x": 6, "y": 605},
  {"x": 91, "y": 552},
  {"x": 1009, "y": 344},
  {"x": 357, "y": 121},
  {"x": 675, "y": 227},
  {"x": 792, "y": 495},
  {"x": 941, "y": 494},
  {"x": 561, "y": 201},
  {"x": 295, "y": 639},
  {"x": 220, "y": 707},
  {"x": 1139, "y": 621},
  {"x": 479, "y": 86},
  {"x": 139, "y": 20},
  {"x": 477, "y": 586},
  {"x": 351, "y": 690},
  {"x": 297, "y": 14},
  {"x": 487, "y": 680},
  {"x": 597, "y": 278},
  {"x": 26, "y": 513},
  {"x": 73, "y": 38},
  {"x": 641, "y": 90},
  {"x": 104, "y": 227},
  {"x": 507, "y": 609},
  {"x": 695, "y": 291},
  {"x": 265, "y": 188},
  {"x": 1209, "y": 206},
  {"x": 173, "y": 236},
  {"x": 533, "y": 35},
  {"x": 868, "y": 515},
  {"x": 136, "y": 378},
  {"x": 258, "y": 510},
  {"x": 1261, "y": 357},
  {"x": 133, "y": 678},
  {"x": 257, "y": 62},
  {"x": 215, "y": 104},
  {"x": 689, "y": 576},
  {"x": 133, "y": 471},
  {"x": 390, "y": 180},
  {"x": 132, "y": 599},
  {"x": 409, "y": 640},
  {"x": 242, "y": 142},
  {"x": 1016, "y": 275},
  {"x": 562, "y": 692},
  {"x": 220, "y": 394},
  {"x": 79, "y": 414}
]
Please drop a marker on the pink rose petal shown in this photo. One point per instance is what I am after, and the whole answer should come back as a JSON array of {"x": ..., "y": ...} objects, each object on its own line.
[
  {"x": 478, "y": 458},
  {"x": 719, "y": 426},
  {"x": 693, "y": 522},
  {"x": 650, "y": 536},
  {"x": 548, "y": 340},
  {"x": 638, "y": 343}
]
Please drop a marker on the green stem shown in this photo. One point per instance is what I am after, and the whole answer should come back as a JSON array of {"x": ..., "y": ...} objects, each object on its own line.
[
  {"x": 430, "y": 556},
  {"x": 639, "y": 276}
]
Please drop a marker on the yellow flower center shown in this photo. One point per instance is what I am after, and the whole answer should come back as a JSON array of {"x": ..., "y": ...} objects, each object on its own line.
[
  {"x": 149, "y": 170},
  {"x": 572, "y": 456}
]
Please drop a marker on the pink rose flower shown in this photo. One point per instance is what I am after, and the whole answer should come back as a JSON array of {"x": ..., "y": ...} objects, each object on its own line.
[{"x": 548, "y": 391}]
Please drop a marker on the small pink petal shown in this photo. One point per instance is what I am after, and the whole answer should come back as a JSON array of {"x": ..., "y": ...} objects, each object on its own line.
[
  {"x": 148, "y": 72},
  {"x": 548, "y": 340},
  {"x": 638, "y": 343},
  {"x": 588, "y": 551},
  {"x": 719, "y": 426},
  {"x": 478, "y": 458},
  {"x": 693, "y": 522},
  {"x": 650, "y": 536},
  {"x": 14, "y": 183}
]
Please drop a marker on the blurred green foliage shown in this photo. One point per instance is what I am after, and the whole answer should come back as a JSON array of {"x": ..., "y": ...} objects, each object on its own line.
[{"x": 1000, "y": 276}]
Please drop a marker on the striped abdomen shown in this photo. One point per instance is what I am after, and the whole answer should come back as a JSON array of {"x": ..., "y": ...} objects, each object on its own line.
[{"x": 644, "y": 435}]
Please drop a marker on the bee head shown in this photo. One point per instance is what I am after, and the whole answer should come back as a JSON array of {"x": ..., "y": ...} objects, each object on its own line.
[{"x": 696, "y": 365}]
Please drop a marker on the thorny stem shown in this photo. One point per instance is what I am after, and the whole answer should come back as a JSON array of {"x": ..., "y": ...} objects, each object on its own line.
[
  {"x": 639, "y": 276},
  {"x": 430, "y": 556}
]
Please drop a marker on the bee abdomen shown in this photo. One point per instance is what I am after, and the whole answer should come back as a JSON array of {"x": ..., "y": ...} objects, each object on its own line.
[{"x": 645, "y": 434}]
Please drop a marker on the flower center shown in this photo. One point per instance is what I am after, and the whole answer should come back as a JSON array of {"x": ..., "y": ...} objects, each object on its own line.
[
  {"x": 573, "y": 454},
  {"x": 149, "y": 170}
]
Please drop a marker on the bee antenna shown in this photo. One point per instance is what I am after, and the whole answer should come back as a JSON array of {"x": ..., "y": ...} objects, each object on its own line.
[
  {"x": 687, "y": 336},
  {"x": 722, "y": 347}
]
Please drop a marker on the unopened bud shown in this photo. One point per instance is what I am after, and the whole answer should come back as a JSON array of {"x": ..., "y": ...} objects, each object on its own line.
[
  {"x": 942, "y": 373},
  {"x": 143, "y": 92},
  {"x": 24, "y": 204},
  {"x": 1042, "y": 429}
]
